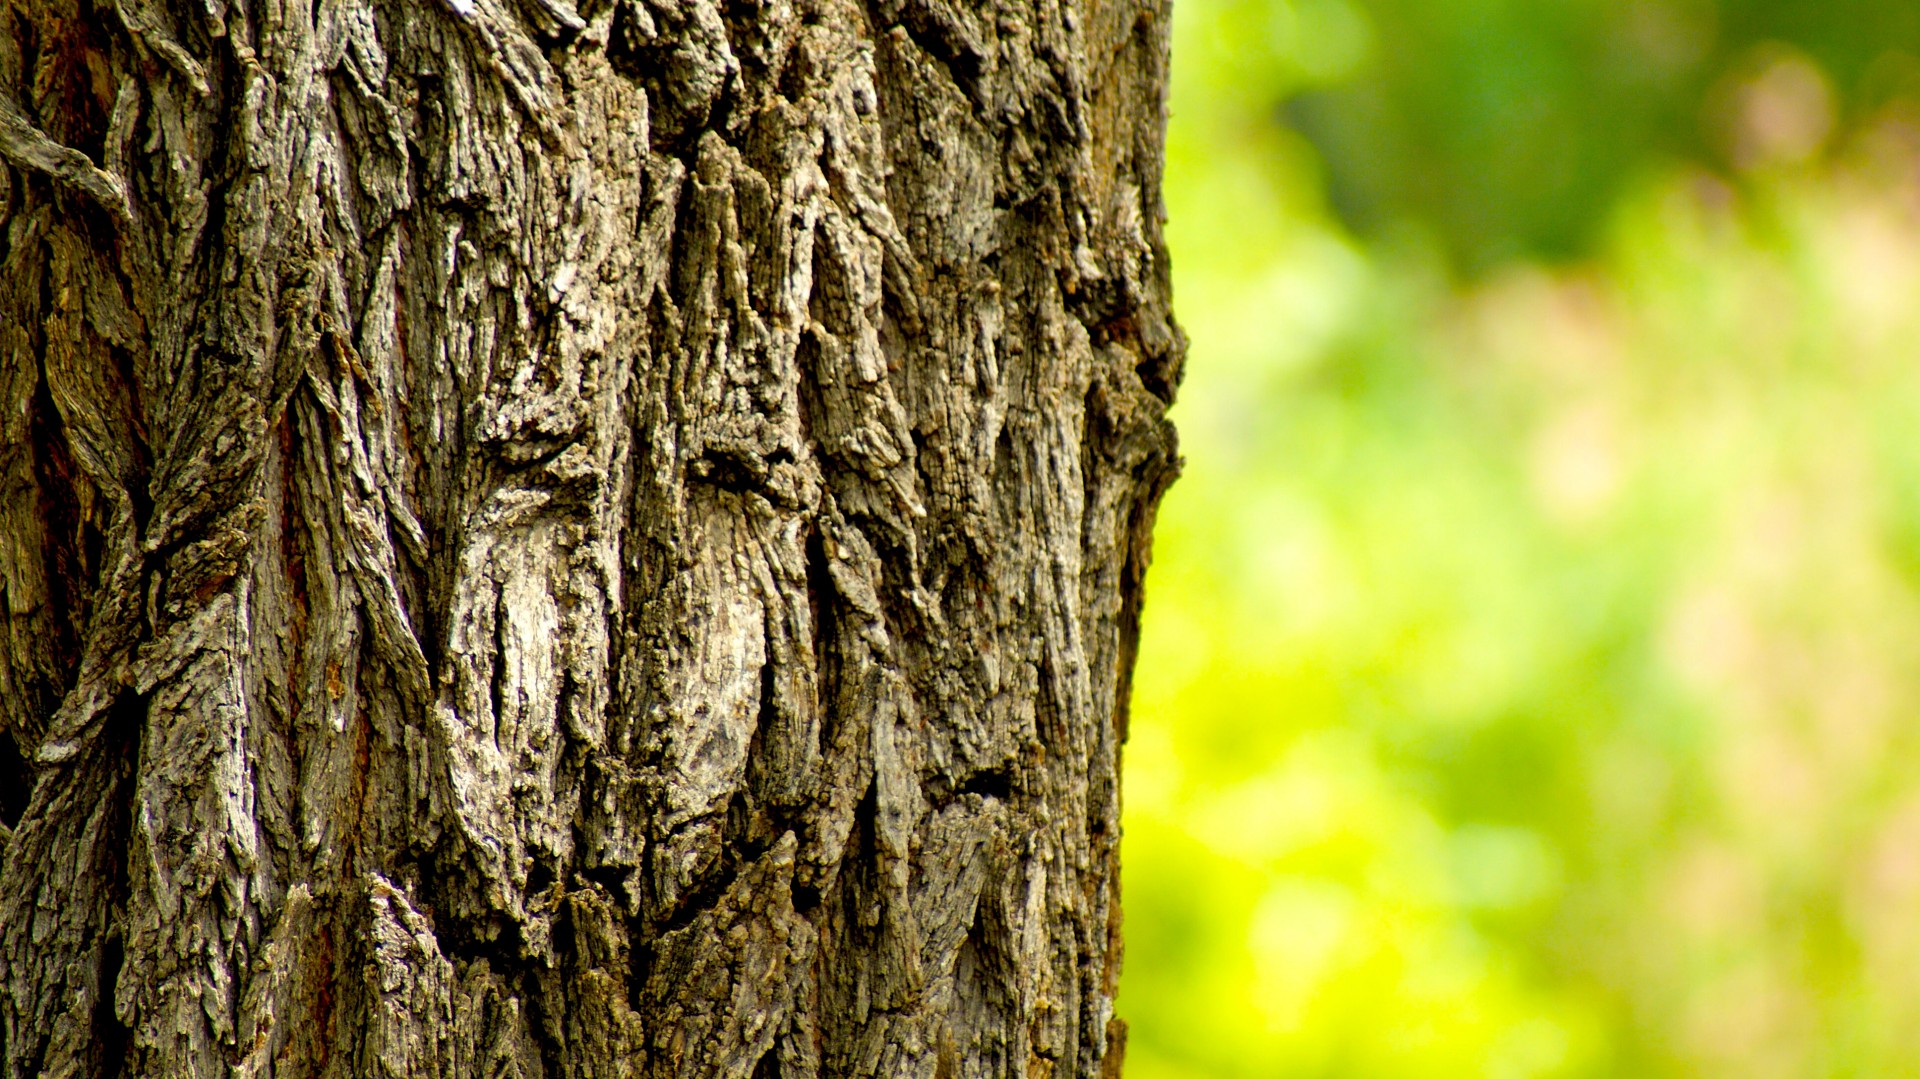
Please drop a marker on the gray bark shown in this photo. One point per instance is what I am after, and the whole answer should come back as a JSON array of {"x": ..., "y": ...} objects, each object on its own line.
[{"x": 572, "y": 542}]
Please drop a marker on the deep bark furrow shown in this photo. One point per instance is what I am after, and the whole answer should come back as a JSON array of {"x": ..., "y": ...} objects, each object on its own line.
[{"x": 567, "y": 541}]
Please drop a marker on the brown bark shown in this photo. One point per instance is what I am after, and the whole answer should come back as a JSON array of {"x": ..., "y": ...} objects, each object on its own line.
[{"x": 585, "y": 542}]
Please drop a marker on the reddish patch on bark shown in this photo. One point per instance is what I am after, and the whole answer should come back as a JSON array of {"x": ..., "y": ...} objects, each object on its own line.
[
  {"x": 210, "y": 587},
  {"x": 73, "y": 83},
  {"x": 1119, "y": 329},
  {"x": 362, "y": 773},
  {"x": 323, "y": 998}
]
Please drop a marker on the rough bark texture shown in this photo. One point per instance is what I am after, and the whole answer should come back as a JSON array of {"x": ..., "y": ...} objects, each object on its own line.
[{"x": 584, "y": 542}]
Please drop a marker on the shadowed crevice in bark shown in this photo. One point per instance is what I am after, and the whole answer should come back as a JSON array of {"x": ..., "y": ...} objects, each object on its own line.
[
  {"x": 945, "y": 32},
  {"x": 68, "y": 541},
  {"x": 113, "y": 1035},
  {"x": 16, "y": 781}
]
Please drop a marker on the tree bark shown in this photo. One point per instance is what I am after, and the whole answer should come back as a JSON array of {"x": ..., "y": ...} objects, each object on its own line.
[{"x": 572, "y": 542}]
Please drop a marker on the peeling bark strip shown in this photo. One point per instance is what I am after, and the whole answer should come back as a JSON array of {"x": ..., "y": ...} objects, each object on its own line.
[{"x": 572, "y": 541}]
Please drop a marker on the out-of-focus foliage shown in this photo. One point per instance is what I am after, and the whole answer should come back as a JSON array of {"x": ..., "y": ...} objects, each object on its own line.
[
  {"x": 1508, "y": 127},
  {"x": 1530, "y": 680}
]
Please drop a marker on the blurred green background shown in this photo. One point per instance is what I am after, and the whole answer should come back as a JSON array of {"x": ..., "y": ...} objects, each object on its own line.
[{"x": 1531, "y": 661}]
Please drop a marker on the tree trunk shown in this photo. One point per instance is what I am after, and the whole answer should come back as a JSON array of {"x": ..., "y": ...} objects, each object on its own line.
[{"x": 552, "y": 542}]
